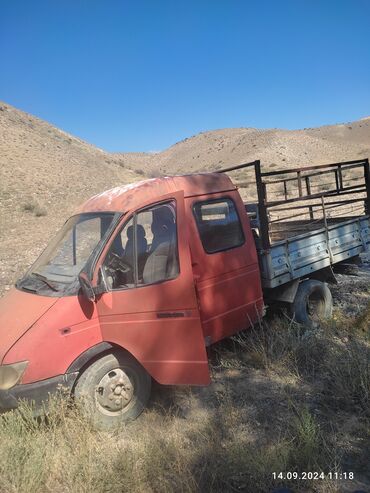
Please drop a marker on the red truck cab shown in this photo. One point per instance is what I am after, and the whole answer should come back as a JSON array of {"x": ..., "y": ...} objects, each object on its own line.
[{"x": 133, "y": 288}]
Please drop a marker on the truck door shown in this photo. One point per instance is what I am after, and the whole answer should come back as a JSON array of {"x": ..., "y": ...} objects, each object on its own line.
[
  {"x": 150, "y": 307},
  {"x": 225, "y": 264}
]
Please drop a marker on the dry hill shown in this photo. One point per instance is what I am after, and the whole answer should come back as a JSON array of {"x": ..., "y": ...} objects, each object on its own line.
[
  {"x": 46, "y": 173},
  {"x": 282, "y": 148},
  {"x": 275, "y": 148}
]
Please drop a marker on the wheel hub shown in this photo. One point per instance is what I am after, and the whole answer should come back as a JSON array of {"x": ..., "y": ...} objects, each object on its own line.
[
  {"x": 114, "y": 391},
  {"x": 315, "y": 308}
]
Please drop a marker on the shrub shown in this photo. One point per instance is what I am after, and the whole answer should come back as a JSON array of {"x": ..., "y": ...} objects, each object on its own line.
[
  {"x": 35, "y": 208},
  {"x": 154, "y": 173}
]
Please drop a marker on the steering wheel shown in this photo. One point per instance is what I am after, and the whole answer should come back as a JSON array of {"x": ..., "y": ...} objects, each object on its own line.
[{"x": 117, "y": 263}]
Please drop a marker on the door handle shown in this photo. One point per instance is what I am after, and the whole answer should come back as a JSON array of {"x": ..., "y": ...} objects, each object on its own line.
[{"x": 170, "y": 314}]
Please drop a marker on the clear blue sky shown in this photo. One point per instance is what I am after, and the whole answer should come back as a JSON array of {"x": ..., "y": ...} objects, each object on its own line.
[{"x": 140, "y": 75}]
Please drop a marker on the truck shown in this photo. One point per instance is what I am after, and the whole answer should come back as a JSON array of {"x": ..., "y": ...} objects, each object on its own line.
[{"x": 143, "y": 278}]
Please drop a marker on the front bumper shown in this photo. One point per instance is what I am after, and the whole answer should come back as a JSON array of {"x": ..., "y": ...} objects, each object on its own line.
[{"x": 37, "y": 393}]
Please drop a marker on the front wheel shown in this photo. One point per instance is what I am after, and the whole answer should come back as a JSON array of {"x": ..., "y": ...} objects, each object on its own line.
[
  {"x": 113, "y": 390},
  {"x": 313, "y": 303}
]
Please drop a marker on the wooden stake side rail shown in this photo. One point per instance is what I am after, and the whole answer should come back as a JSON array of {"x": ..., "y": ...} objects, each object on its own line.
[{"x": 303, "y": 192}]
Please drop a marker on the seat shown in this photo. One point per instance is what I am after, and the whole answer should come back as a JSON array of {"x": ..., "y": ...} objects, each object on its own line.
[
  {"x": 142, "y": 245},
  {"x": 162, "y": 260},
  {"x": 140, "y": 240}
]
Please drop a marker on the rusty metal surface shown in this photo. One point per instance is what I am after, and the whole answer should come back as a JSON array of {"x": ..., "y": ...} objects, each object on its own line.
[
  {"x": 308, "y": 218},
  {"x": 125, "y": 198},
  {"x": 307, "y": 194}
]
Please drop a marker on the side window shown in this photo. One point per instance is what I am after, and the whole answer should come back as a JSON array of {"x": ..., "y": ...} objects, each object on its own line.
[
  {"x": 218, "y": 225},
  {"x": 145, "y": 251}
]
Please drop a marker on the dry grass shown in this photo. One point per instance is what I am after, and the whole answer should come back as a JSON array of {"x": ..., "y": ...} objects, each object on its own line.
[
  {"x": 64, "y": 454},
  {"x": 337, "y": 354},
  {"x": 211, "y": 440},
  {"x": 326, "y": 382}
]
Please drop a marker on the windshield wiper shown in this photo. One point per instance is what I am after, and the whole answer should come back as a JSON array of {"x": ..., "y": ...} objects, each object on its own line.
[
  {"x": 19, "y": 285},
  {"x": 45, "y": 280}
]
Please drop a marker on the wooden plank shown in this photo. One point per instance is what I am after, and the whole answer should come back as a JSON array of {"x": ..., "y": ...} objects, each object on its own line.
[
  {"x": 330, "y": 193},
  {"x": 319, "y": 173},
  {"x": 299, "y": 178},
  {"x": 262, "y": 210},
  {"x": 358, "y": 162}
]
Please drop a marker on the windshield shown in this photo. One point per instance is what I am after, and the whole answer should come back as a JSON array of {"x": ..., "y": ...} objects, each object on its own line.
[{"x": 56, "y": 271}]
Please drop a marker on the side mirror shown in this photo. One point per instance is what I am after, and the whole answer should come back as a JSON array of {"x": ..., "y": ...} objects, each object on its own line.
[{"x": 86, "y": 286}]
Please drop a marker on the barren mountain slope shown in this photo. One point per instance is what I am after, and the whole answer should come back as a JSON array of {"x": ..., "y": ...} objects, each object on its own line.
[
  {"x": 274, "y": 147},
  {"x": 44, "y": 174}
]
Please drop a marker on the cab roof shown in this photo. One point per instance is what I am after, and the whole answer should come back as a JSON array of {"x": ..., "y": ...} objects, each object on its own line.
[{"x": 127, "y": 197}]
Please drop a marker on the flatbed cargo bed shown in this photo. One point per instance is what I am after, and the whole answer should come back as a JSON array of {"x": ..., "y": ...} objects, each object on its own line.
[
  {"x": 299, "y": 256},
  {"x": 308, "y": 219}
]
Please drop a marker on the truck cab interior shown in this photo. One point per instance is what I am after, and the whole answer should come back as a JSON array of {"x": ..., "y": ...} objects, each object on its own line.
[{"x": 144, "y": 250}]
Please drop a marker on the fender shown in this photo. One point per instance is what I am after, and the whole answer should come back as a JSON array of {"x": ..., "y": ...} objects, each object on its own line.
[{"x": 89, "y": 354}]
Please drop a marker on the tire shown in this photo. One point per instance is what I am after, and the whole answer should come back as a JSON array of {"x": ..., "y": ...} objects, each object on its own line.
[
  {"x": 113, "y": 390},
  {"x": 313, "y": 302}
]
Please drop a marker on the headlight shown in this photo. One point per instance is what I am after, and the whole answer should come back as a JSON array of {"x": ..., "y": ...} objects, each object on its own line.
[{"x": 11, "y": 374}]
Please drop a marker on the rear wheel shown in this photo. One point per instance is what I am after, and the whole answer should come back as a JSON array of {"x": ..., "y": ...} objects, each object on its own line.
[
  {"x": 313, "y": 303},
  {"x": 113, "y": 390}
]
